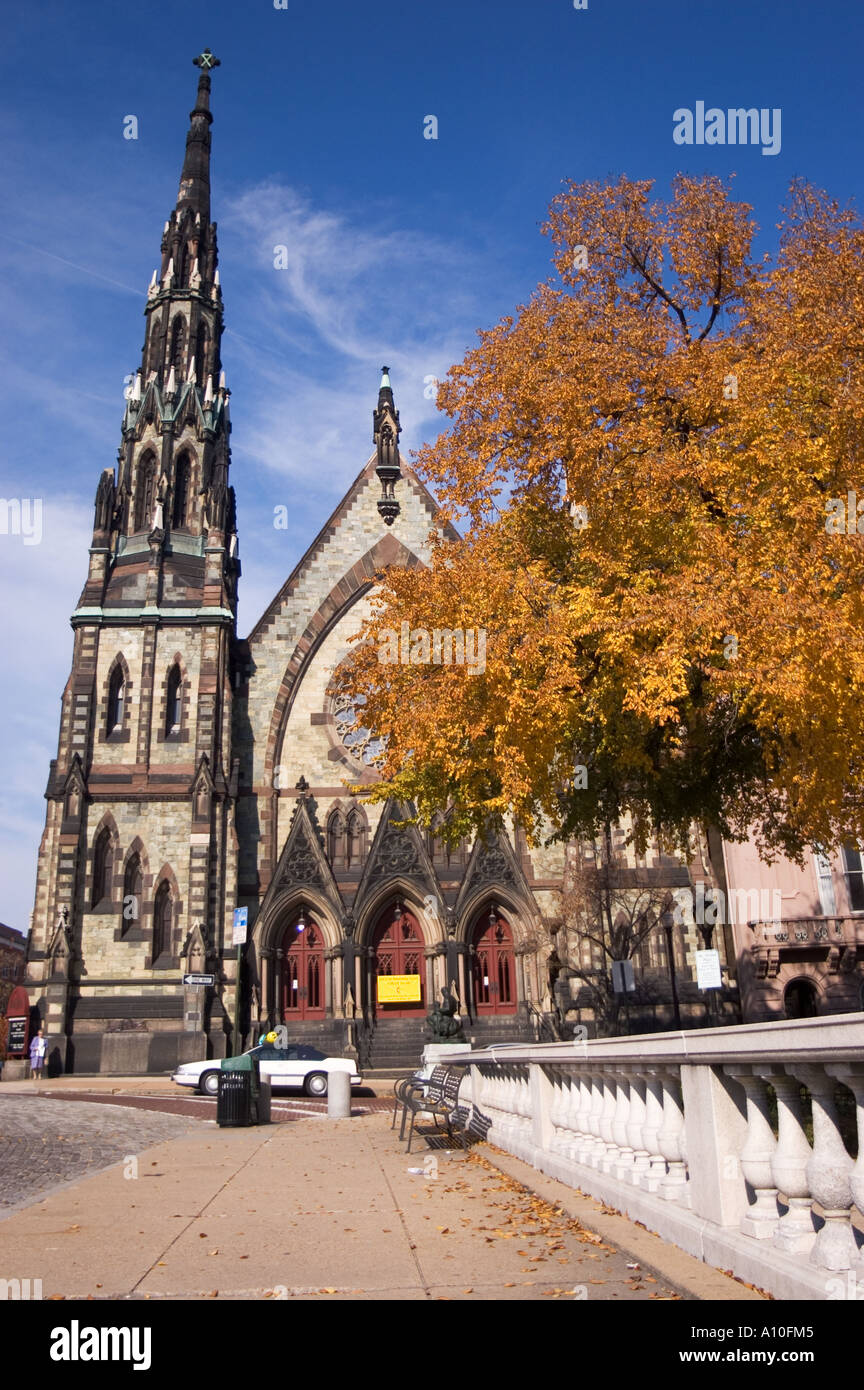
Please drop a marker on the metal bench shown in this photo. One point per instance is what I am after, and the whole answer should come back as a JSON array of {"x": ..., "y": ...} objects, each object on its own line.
[{"x": 431, "y": 1086}]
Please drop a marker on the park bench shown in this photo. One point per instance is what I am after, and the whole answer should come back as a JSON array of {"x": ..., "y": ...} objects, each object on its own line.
[
  {"x": 431, "y": 1086},
  {"x": 443, "y": 1107}
]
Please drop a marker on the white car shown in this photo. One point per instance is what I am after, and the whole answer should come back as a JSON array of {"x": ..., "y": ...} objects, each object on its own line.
[{"x": 295, "y": 1067}]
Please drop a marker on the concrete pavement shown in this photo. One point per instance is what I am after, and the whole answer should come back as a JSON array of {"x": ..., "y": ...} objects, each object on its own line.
[{"x": 329, "y": 1209}]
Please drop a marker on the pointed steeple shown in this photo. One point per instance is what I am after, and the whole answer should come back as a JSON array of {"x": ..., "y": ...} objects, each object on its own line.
[
  {"x": 386, "y": 431},
  {"x": 194, "y": 189},
  {"x": 175, "y": 457}
]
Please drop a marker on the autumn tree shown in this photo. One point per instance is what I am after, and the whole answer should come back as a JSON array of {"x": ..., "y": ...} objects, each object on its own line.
[{"x": 648, "y": 460}]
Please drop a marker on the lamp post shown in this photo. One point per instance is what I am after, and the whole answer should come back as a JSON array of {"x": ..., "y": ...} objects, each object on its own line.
[{"x": 667, "y": 921}]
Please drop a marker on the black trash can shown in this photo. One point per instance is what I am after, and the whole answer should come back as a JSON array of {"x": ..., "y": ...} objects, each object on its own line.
[{"x": 238, "y": 1088}]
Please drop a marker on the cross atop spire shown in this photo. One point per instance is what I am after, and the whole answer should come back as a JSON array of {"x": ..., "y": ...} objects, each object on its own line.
[{"x": 205, "y": 61}]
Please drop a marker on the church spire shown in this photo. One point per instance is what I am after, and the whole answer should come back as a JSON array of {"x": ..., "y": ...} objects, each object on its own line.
[
  {"x": 172, "y": 496},
  {"x": 194, "y": 191},
  {"x": 386, "y": 431}
]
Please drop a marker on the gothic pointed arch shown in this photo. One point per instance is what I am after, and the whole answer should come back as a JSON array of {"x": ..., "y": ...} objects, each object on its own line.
[
  {"x": 166, "y": 921},
  {"x": 182, "y": 489},
  {"x": 105, "y": 854},
  {"x": 177, "y": 355},
  {"x": 145, "y": 490},
  {"x": 356, "y": 837},
  {"x": 117, "y": 701},
  {"x": 494, "y": 872},
  {"x": 136, "y": 882},
  {"x": 336, "y": 837},
  {"x": 302, "y": 872},
  {"x": 397, "y": 854},
  {"x": 75, "y": 793},
  {"x": 174, "y": 702}
]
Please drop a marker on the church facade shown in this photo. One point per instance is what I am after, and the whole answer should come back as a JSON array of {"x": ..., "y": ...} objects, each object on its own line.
[{"x": 198, "y": 773}]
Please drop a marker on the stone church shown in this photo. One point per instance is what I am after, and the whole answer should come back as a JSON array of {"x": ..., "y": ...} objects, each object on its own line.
[{"x": 198, "y": 773}]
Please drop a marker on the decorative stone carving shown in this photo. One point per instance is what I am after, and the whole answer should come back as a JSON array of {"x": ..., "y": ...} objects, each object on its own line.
[
  {"x": 396, "y": 854},
  {"x": 302, "y": 863}
]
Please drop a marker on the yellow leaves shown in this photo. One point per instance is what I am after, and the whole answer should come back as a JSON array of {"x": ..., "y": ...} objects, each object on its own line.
[{"x": 706, "y": 512}]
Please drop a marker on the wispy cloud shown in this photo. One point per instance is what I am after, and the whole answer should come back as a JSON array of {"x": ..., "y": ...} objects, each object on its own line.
[{"x": 46, "y": 580}]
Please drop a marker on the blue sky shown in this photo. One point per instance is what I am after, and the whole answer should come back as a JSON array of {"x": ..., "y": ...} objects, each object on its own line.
[{"x": 400, "y": 248}]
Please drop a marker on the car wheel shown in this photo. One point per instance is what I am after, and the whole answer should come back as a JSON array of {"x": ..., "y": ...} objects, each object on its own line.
[
  {"x": 316, "y": 1084},
  {"x": 209, "y": 1083}
]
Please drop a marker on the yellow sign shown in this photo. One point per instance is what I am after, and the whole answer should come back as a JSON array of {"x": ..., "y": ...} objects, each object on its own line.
[{"x": 398, "y": 989}]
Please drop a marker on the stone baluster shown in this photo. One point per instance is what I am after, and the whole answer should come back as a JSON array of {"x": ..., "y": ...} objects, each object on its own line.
[
  {"x": 852, "y": 1075},
  {"x": 559, "y": 1140},
  {"x": 623, "y": 1165},
  {"x": 572, "y": 1092},
  {"x": 610, "y": 1100},
  {"x": 796, "y": 1232},
  {"x": 762, "y": 1219},
  {"x": 674, "y": 1186},
  {"x": 829, "y": 1173},
  {"x": 585, "y": 1140},
  {"x": 635, "y": 1128},
  {"x": 655, "y": 1174},
  {"x": 598, "y": 1101}
]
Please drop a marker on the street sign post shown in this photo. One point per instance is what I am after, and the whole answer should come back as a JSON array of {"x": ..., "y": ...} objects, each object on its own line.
[{"x": 238, "y": 939}]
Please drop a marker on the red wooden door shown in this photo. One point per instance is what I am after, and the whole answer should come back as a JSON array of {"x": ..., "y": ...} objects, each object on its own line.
[
  {"x": 303, "y": 973},
  {"x": 398, "y": 947},
  {"x": 494, "y": 967}
]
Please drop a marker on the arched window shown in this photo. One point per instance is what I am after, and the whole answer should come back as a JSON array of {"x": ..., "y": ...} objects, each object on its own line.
[
  {"x": 354, "y": 840},
  {"x": 116, "y": 699},
  {"x": 181, "y": 491},
  {"x": 336, "y": 838},
  {"x": 145, "y": 491},
  {"x": 103, "y": 868},
  {"x": 133, "y": 886},
  {"x": 202, "y": 352},
  {"x": 172, "y": 701},
  {"x": 162, "y": 921},
  {"x": 178, "y": 346}
]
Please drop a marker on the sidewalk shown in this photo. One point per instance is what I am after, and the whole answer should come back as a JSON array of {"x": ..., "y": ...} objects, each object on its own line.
[{"x": 328, "y": 1209}]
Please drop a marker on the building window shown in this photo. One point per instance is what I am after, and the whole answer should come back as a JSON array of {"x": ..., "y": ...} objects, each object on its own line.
[
  {"x": 178, "y": 346},
  {"x": 103, "y": 866},
  {"x": 173, "y": 701},
  {"x": 336, "y": 838},
  {"x": 826, "y": 884},
  {"x": 202, "y": 346},
  {"x": 181, "y": 491},
  {"x": 133, "y": 884},
  {"x": 162, "y": 922},
  {"x": 116, "y": 698},
  {"x": 354, "y": 839},
  {"x": 854, "y": 877},
  {"x": 145, "y": 492}
]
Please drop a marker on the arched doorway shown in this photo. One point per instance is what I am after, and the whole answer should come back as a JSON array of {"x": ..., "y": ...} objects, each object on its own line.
[
  {"x": 493, "y": 964},
  {"x": 800, "y": 999},
  {"x": 301, "y": 993},
  {"x": 397, "y": 949}
]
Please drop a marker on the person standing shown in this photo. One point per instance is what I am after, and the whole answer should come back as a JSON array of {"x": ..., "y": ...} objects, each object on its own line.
[{"x": 38, "y": 1048}]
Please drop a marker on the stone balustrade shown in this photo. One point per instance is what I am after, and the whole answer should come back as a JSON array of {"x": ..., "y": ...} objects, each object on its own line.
[{"x": 681, "y": 1132}]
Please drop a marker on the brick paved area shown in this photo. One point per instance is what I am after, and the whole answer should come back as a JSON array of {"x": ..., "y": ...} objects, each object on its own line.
[{"x": 43, "y": 1144}]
